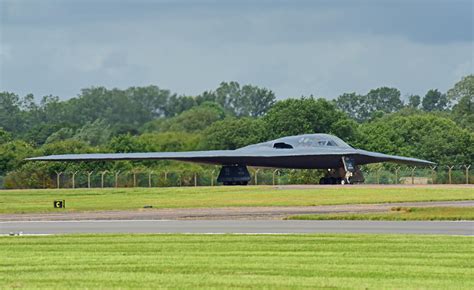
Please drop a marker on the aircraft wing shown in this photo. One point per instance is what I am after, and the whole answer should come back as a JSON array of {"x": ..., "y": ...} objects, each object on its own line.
[
  {"x": 366, "y": 157},
  {"x": 279, "y": 158}
]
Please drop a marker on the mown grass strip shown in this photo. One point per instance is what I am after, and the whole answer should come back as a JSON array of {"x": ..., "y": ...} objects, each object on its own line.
[
  {"x": 237, "y": 261},
  {"x": 41, "y": 201},
  {"x": 399, "y": 214}
]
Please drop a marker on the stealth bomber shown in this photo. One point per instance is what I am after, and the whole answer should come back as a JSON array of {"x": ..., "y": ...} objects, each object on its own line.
[{"x": 309, "y": 151}]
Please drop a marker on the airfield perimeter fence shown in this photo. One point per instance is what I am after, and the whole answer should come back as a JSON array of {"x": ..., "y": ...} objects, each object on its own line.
[{"x": 259, "y": 176}]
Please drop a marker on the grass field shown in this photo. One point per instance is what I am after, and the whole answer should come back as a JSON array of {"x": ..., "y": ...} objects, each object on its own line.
[
  {"x": 237, "y": 261},
  {"x": 32, "y": 201},
  {"x": 400, "y": 214}
]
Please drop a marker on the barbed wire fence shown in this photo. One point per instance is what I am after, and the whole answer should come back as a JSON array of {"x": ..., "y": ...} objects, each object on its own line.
[{"x": 448, "y": 174}]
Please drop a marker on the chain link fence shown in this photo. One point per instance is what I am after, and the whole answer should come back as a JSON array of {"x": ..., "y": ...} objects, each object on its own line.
[{"x": 459, "y": 174}]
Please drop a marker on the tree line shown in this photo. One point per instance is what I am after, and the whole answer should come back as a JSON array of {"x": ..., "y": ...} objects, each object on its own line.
[{"x": 438, "y": 126}]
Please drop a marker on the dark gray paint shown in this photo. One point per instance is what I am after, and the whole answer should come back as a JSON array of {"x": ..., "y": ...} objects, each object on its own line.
[
  {"x": 304, "y": 155},
  {"x": 233, "y": 226}
]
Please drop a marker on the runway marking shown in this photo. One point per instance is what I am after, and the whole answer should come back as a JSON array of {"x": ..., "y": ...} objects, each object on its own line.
[
  {"x": 88, "y": 221},
  {"x": 241, "y": 227}
]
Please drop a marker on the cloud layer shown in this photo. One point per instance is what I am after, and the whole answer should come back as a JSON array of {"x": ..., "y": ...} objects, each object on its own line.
[{"x": 322, "y": 48}]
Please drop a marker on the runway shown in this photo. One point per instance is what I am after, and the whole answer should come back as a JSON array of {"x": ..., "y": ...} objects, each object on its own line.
[{"x": 238, "y": 226}]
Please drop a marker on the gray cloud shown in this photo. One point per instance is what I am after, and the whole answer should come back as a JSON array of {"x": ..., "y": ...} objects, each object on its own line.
[{"x": 323, "y": 48}]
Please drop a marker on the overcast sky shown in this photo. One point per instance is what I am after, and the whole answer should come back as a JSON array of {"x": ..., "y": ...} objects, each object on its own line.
[{"x": 294, "y": 48}]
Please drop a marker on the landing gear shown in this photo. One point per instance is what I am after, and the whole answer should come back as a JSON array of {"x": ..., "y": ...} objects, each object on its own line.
[
  {"x": 234, "y": 175},
  {"x": 349, "y": 173},
  {"x": 235, "y": 183},
  {"x": 333, "y": 180}
]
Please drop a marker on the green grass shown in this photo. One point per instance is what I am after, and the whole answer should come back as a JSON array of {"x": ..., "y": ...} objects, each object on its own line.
[
  {"x": 37, "y": 201},
  {"x": 237, "y": 261},
  {"x": 399, "y": 214}
]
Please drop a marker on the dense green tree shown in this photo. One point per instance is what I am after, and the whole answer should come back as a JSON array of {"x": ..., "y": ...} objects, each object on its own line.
[
  {"x": 384, "y": 99},
  {"x": 233, "y": 133},
  {"x": 10, "y": 112},
  {"x": 69, "y": 146},
  {"x": 301, "y": 116},
  {"x": 46, "y": 119},
  {"x": 126, "y": 143},
  {"x": 154, "y": 99},
  {"x": 95, "y": 133},
  {"x": 462, "y": 94},
  {"x": 4, "y": 136},
  {"x": 193, "y": 120},
  {"x": 260, "y": 100},
  {"x": 434, "y": 100},
  {"x": 12, "y": 154},
  {"x": 346, "y": 129},
  {"x": 463, "y": 88},
  {"x": 463, "y": 112},
  {"x": 242, "y": 101},
  {"x": 353, "y": 105},
  {"x": 414, "y": 101},
  {"x": 169, "y": 141},
  {"x": 60, "y": 135},
  {"x": 179, "y": 104},
  {"x": 423, "y": 136},
  {"x": 376, "y": 102}
]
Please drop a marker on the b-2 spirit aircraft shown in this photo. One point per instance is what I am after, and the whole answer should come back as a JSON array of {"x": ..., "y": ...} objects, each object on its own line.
[{"x": 309, "y": 151}]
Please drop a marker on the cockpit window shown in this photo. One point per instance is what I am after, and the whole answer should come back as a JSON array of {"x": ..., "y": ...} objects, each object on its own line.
[
  {"x": 282, "y": 145},
  {"x": 314, "y": 141}
]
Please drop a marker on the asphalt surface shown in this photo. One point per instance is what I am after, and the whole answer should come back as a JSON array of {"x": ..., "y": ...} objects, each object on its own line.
[{"x": 237, "y": 226}]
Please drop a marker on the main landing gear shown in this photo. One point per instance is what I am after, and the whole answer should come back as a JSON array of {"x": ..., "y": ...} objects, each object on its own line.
[
  {"x": 234, "y": 175},
  {"x": 334, "y": 180},
  {"x": 348, "y": 174}
]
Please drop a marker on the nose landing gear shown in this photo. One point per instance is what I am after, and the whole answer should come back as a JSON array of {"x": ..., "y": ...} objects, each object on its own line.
[{"x": 348, "y": 174}]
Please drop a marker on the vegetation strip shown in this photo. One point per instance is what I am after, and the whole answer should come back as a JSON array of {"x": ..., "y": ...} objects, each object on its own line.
[
  {"x": 399, "y": 214},
  {"x": 41, "y": 201},
  {"x": 237, "y": 261}
]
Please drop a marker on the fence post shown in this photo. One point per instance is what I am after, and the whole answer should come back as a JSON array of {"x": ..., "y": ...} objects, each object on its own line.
[
  {"x": 212, "y": 177},
  {"x": 365, "y": 172},
  {"x": 195, "y": 179},
  {"x": 58, "y": 175},
  {"x": 116, "y": 178},
  {"x": 433, "y": 173},
  {"x": 256, "y": 176},
  {"x": 74, "y": 179},
  {"x": 89, "y": 179},
  {"x": 378, "y": 175},
  {"x": 274, "y": 173},
  {"x": 397, "y": 169},
  {"x": 102, "y": 178},
  {"x": 467, "y": 173},
  {"x": 413, "y": 175},
  {"x": 450, "y": 168},
  {"x": 166, "y": 176},
  {"x": 134, "y": 178},
  {"x": 149, "y": 178}
]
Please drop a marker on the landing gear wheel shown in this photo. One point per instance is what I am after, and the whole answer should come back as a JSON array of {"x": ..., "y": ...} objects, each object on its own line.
[{"x": 346, "y": 181}]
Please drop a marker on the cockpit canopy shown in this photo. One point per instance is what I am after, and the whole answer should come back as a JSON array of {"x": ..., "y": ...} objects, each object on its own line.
[{"x": 306, "y": 141}]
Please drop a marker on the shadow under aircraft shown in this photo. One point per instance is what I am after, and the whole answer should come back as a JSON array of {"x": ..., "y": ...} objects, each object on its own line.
[{"x": 309, "y": 151}]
